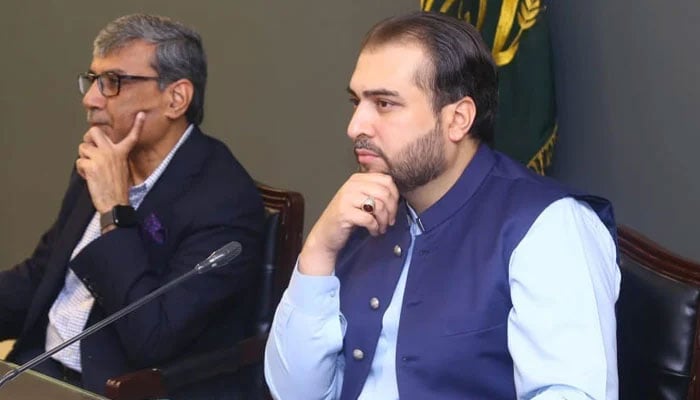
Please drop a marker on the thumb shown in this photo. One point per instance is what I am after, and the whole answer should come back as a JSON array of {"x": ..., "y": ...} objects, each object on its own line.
[{"x": 133, "y": 136}]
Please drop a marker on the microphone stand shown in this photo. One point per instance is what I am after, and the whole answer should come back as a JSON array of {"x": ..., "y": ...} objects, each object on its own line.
[{"x": 11, "y": 374}]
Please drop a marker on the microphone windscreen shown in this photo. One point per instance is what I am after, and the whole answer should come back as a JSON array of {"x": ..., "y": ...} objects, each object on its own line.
[
  {"x": 220, "y": 257},
  {"x": 228, "y": 252}
]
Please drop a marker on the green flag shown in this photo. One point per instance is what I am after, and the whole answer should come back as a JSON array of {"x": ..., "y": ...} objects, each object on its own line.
[{"x": 518, "y": 34}]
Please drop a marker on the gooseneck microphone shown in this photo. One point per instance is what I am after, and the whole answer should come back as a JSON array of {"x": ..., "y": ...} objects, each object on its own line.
[
  {"x": 218, "y": 258},
  {"x": 222, "y": 256}
]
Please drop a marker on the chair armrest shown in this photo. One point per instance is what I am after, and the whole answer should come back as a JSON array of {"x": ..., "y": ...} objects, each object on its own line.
[
  {"x": 138, "y": 385},
  {"x": 159, "y": 382}
]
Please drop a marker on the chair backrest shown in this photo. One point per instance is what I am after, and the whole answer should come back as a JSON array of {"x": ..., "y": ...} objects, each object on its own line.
[
  {"x": 284, "y": 230},
  {"x": 657, "y": 321}
]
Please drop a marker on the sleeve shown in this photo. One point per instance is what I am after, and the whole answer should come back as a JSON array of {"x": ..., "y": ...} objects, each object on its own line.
[
  {"x": 125, "y": 264},
  {"x": 303, "y": 358},
  {"x": 564, "y": 283},
  {"x": 18, "y": 284}
]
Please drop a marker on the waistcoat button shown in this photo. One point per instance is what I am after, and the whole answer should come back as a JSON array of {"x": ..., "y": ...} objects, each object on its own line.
[
  {"x": 358, "y": 354},
  {"x": 374, "y": 303}
]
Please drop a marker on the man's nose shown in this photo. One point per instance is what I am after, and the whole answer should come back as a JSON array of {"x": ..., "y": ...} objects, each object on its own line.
[
  {"x": 93, "y": 98},
  {"x": 360, "y": 123}
]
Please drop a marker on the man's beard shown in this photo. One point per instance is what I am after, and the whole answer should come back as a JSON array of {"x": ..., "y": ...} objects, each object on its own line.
[{"x": 418, "y": 163}]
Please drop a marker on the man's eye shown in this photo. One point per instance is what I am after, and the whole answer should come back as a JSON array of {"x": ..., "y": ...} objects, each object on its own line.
[
  {"x": 111, "y": 80},
  {"x": 354, "y": 101},
  {"x": 383, "y": 104}
]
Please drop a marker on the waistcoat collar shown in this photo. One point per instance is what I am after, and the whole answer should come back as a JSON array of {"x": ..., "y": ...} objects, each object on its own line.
[{"x": 461, "y": 192}]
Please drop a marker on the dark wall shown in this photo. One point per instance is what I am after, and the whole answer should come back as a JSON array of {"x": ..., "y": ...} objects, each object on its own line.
[
  {"x": 276, "y": 95},
  {"x": 628, "y": 94}
]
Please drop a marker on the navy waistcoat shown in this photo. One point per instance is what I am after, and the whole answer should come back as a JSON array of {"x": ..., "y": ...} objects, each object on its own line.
[{"x": 452, "y": 337}]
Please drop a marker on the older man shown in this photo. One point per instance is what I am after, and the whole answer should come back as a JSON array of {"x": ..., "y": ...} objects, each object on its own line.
[
  {"x": 150, "y": 197},
  {"x": 445, "y": 270}
]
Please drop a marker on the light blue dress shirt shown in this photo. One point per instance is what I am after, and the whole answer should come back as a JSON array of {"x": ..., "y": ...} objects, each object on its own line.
[
  {"x": 561, "y": 328},
  {"x": 70, "y": 310}
]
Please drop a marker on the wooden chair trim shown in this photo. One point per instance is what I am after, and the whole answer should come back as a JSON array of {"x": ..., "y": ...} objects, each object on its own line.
[
  {"x": 291, "y": 205},
  {"x": 652, "y": 256},
  {"x": 136, "y": 385},
  {"x": 649, "y": 254}
]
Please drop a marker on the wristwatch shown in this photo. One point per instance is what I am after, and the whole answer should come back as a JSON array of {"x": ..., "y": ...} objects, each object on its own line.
[{"x": 121, "y": 216}]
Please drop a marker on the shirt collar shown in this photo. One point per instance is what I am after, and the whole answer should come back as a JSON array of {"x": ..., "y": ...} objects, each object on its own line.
[
  {"x": 414, "y": 223},
  {"x": 138, "y": 193}
]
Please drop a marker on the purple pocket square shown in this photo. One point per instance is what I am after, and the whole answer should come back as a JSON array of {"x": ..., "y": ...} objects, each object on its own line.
[{"x": 154, "y": 228}]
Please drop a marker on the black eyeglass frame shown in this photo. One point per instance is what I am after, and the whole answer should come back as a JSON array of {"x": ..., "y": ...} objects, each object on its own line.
[{"x": 118, "y": 78}]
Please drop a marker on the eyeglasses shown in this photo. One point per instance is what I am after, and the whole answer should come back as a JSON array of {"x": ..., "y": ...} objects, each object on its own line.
[{"x": 109, "y": 83}]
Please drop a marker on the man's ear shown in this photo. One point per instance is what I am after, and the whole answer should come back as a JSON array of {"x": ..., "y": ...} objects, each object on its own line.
[
  {"x": 458, "y": 118},
  {"x": 179, "y": 96}
]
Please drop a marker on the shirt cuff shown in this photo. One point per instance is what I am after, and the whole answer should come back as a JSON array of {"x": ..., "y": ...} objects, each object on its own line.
[{"x": 314, "y": 295}]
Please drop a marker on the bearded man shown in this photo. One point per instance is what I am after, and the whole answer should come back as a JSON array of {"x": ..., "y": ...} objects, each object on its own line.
[{"x": 444, "y": 269}]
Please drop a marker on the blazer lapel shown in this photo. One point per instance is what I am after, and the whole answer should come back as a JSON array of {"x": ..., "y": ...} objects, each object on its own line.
[
  {"x": 155, "y": 212},
  {"x": 184, "y": 166}
]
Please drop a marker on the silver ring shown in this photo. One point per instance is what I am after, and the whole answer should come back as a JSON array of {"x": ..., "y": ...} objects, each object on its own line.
[{"x": 368, "y": 205}]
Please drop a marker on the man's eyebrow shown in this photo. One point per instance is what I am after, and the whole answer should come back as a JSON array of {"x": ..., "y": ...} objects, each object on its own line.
[
  {"x": 114, "y": 71},
  {"x": 375, "y": 92}
]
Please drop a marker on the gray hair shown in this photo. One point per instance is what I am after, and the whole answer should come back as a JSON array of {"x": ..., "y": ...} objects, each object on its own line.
[{"x": 179, "y": 52}]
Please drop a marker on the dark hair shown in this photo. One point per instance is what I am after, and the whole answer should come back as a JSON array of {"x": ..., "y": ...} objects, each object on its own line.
[
  {"x": 179, "y": 52},
  {"x": 460, "y": 62}
]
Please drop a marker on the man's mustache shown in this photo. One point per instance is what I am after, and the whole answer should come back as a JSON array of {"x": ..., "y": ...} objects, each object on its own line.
[
  {"x": 93, "y": 120},
  {"x": 363, "y": 142}
]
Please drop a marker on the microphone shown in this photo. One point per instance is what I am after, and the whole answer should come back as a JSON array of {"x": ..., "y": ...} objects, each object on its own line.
[{"x": 218, "y": 258}]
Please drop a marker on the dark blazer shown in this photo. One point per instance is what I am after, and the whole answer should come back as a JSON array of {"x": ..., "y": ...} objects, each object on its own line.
[{"x": 203, "y": 200}]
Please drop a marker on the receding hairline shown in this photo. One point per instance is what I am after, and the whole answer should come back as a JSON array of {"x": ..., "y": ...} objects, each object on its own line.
[
  {"x": 101, "y": 52},
  {"x": 114, "y": 52},
  {"x": 424, "y": 73}
]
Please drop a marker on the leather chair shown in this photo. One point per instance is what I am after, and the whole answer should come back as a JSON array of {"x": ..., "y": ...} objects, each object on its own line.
[
  {"x": 284, "y": 230},
  {"x": 657, "y": 317}
]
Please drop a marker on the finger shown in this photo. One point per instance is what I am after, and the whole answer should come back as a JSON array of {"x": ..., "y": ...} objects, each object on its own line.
[
  {"x": 86, "y": 150},
  {"x": 388, "y": 182},
  {"x": 383, "y": 214},
  {"x": 357, "y": 200},
  {"x": 376, "y": 177},
  {"x": 386, "y": 202},
  {"x": 97, "y": 137},
  {"x": 87, "y": 137},
  {"x": 132, "y": 137},
  {"x": 383, "y": 180},
  {"x": 80, "y": 167},
  {"x": 363, "y": 219}
]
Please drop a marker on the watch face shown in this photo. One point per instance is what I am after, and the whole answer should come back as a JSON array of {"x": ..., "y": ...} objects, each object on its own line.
[{"x": 124, "y": 216}]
